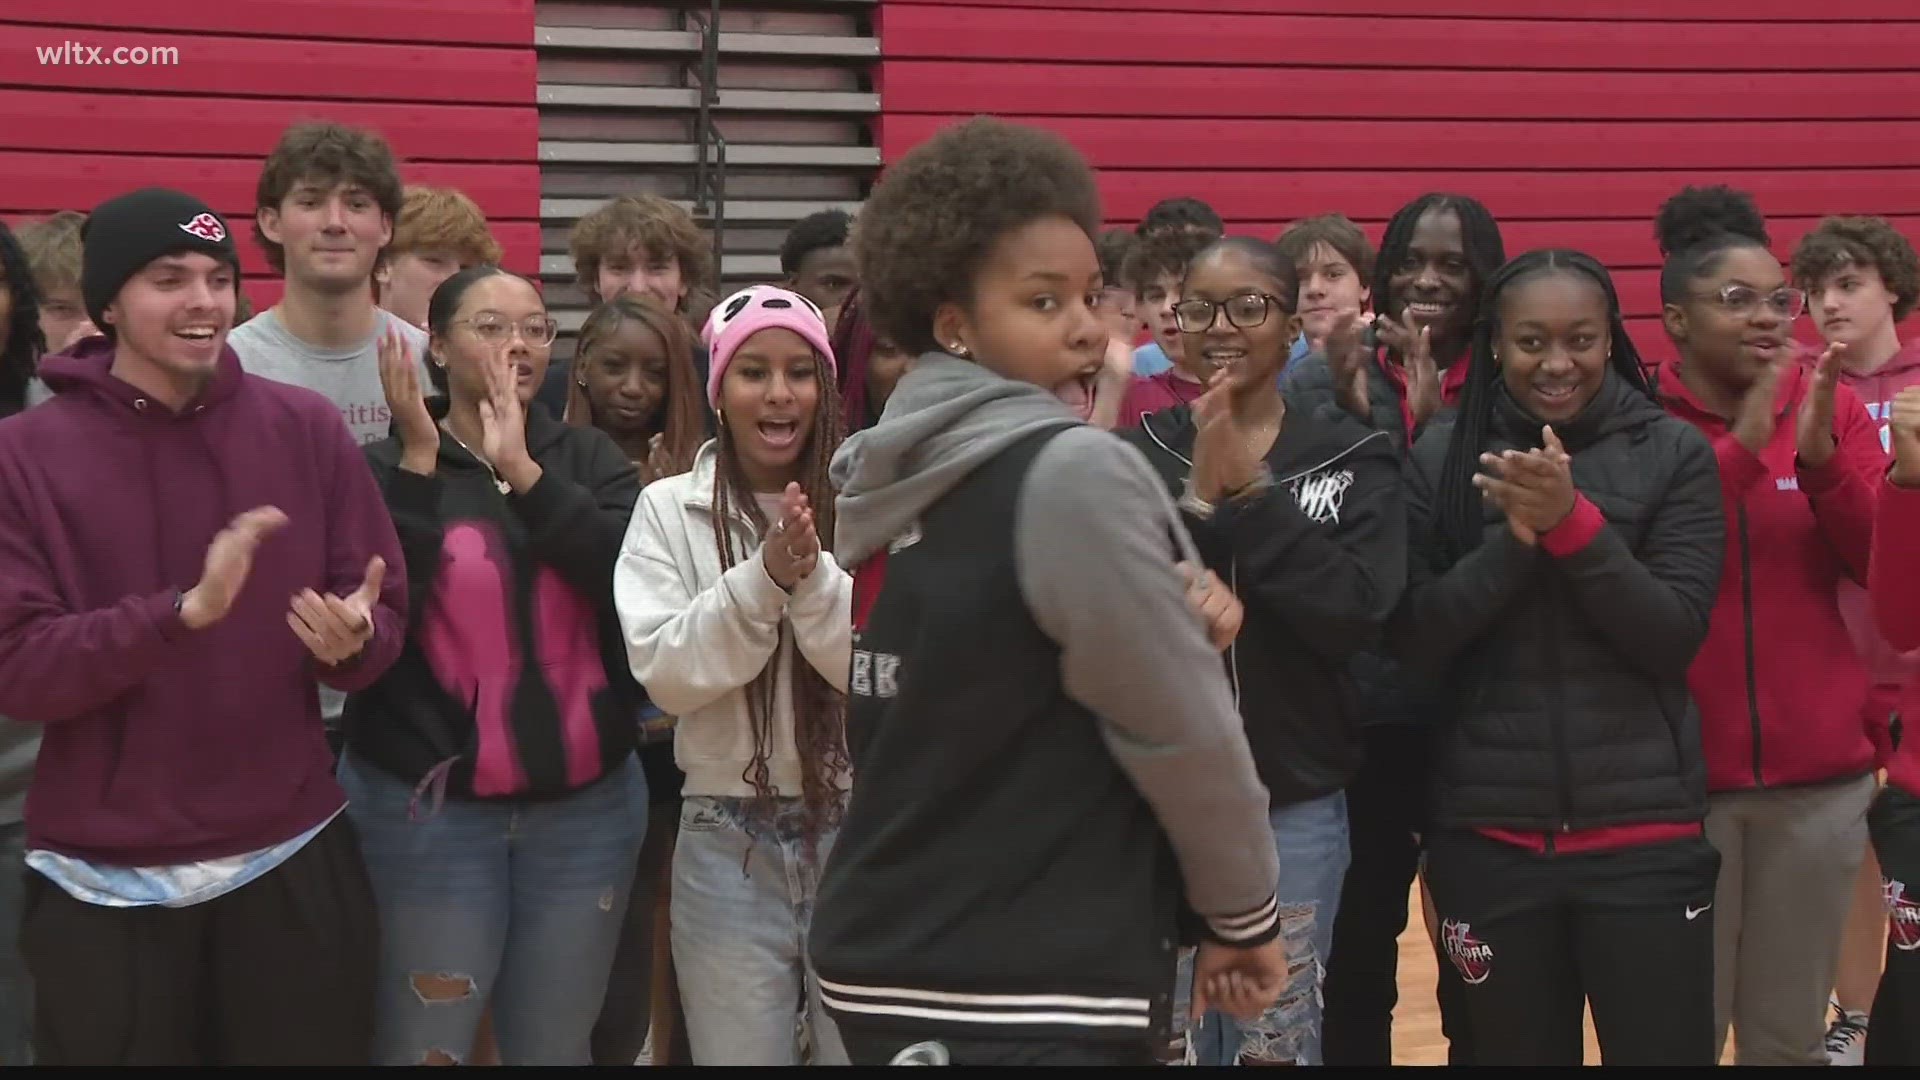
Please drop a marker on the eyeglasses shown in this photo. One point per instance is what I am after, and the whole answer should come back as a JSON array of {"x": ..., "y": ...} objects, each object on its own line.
[
  {"x": 538, "y": 331},
  {"x": 1744, "y": 300},
  {"x": 1245, "y": 311}
]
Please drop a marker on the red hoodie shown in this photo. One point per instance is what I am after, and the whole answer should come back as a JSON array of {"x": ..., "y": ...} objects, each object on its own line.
[
  {"x": 1781, "y": 689},
  {"x": 1895, "y": 560},
  {"x": 166, "y": 745},
  {"x": 1888, "y": 669}
]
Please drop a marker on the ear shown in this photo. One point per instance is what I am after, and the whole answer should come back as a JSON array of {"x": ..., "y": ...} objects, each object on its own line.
[
  {"x": 111, "y": 316},
  {"x": 386, "y": 229},
  {"x": 268, "y": 218},
  {"x": 383, "y": 273},
  {"x": 1366, "y": 298},
  {"x": 1674, "y": 318},
  {"x": 951, "y": 328}
]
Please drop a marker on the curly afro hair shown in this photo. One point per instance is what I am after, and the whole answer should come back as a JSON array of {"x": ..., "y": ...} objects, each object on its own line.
[
  {"x": 934, "y": 216},
  {"x": 1695, "y": 226},
  {"x": 1840, "y": 242}
]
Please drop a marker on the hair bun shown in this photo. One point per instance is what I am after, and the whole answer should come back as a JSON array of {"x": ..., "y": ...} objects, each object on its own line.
[{"x": 1698, "y": 214}]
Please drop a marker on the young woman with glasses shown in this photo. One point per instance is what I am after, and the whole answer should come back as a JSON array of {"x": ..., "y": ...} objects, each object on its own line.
[
  {"x": 1781, "y": 688},
  {"x": 1299, "y": 512},
  {"x": 491, "y": 771}
]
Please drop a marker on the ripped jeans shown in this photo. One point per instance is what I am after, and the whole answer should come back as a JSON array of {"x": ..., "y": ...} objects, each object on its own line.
[
  {"x": 1311, "y": 839},
  {"x": 515, "y": 903}
]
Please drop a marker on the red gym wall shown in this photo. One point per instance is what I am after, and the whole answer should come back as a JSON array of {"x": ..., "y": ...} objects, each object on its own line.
[
  {"x": 1572, "y": 122},
  {"x": 458, "y": 111}
]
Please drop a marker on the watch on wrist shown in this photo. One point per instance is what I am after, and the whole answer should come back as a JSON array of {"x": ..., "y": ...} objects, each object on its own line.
[
  {"x": 1192, "y": 503},
  {"x": 1261, "y": 483}
]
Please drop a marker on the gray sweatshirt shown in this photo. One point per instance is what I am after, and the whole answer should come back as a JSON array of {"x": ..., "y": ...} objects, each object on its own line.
[{"x": 1094, "y": 543}]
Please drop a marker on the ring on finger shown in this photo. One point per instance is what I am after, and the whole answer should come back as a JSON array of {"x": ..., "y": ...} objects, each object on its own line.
[{"x": 794, "y": 555}]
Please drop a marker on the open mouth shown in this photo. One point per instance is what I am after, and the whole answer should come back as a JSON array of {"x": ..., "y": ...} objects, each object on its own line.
[
  {"x": 199, "y": 335},
  {"x": 779, "y": 434},
  {"x": 1427, "y": 311},
  {"x": 1077, "y": 394}
]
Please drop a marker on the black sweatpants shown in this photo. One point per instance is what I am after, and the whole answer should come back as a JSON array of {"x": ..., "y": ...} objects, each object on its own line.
[
  {"x": 621, "y": 1032},
  {"x": 1535, "y": 937},
  {"x": 1384, "y": 811},
  {"x": 868, "y": 1045},
  {"x": 1893, "y": 1034},
  {"x": 277, "y": 972}
]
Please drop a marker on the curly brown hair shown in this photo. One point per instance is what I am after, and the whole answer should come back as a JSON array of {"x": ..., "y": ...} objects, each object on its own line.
[
  {"x": 682, "y": 421},
  {"x": 935, "y": 215},
  {"x": 1162, "y": 254},
  {"x": 443, "y": 219},
  {"x": 1860, "y": 241},
  {"x": 819, "y": 711},
  {"x": 654, "y": 225},
  {"x": 331, "y": 154},
  {"x": 1338, "y": 233}
]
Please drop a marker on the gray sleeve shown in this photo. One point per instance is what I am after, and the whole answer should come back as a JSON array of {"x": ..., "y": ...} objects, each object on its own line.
[{"x": 1094, "y": 546}]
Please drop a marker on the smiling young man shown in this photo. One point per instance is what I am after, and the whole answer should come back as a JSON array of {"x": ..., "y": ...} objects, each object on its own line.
[
  {"x": 1334, "y": 264},
  {"x": 186, "y": 551},
  {"x": 324, "y": 211},
  {"x": 1437, "y": 252}
]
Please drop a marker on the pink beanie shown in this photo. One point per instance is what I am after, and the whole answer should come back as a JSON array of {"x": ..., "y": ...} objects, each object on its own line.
[{"x": 750, "y": 311}]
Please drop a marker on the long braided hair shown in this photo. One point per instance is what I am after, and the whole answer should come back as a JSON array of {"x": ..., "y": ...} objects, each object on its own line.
[
  {"x": 819, "y": 711},
  {"x": 21, "y": 342},
  {"x": 1479, "y": 237},
  {"x": 1458, "y": 502}
]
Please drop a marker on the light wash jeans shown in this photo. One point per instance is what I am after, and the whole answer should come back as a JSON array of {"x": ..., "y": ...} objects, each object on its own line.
[
  {"x": 1311, "y": 839},
  {"x": 515, "y": 903},
  {"x": 741, "y": 908}
]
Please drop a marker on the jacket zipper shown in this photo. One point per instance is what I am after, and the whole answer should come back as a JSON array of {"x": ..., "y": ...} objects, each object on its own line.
[
  {"x": 1562, "y": 766},
  {"x": 1746, "y": 617}
]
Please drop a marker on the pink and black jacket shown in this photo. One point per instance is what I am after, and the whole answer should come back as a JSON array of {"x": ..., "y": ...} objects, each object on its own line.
[{"x": 513, "y": 682}]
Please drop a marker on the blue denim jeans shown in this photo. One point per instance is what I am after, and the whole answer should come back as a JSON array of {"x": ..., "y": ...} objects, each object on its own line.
[
  {"x": 1311, "y": 839},
  {"x": 517, "y": 904},
  {"x": 741, "y": 908},
  {"x": 16, "y": 987}
]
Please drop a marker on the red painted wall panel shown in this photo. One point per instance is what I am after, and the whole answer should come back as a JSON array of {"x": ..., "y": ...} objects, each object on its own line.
[
  {"x": 1572, "y": 123},
  {"x": 451, "y": 85}
]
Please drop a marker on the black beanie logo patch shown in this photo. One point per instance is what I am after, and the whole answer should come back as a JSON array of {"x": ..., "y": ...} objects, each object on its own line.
[{"x": 206, "y": 227}]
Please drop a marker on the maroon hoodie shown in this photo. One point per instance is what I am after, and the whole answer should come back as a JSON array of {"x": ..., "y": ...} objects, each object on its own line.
[{"x": 166, "y": 745}]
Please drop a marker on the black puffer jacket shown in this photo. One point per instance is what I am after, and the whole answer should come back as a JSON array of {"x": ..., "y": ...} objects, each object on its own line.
[
  {"x": 1567, "y": 674},
  {"x": 1384, "y": 693}
]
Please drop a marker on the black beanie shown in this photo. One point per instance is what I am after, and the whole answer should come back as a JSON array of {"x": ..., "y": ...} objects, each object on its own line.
[{"x": 124, "y": 234}]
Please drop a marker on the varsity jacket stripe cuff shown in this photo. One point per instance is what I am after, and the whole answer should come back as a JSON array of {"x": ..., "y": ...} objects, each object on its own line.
[
  {"x": 997, "y": 1011},
  {"x": 1256, "y": 927}
]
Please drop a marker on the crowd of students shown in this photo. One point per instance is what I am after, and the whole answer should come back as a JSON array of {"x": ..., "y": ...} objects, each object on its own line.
[{"x": 1000, "y": 641}]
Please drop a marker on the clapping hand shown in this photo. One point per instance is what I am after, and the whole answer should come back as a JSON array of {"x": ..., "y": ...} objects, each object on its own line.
[
  {"x": 1534, "y": 488},
  {"x": 791, "y": 548}
]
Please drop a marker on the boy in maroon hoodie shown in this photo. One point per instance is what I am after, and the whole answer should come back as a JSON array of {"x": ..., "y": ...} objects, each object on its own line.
[
  {"x": 1780, "y": 687},
  {"x": 1862, "y": 278},
  {"x": 1894, "y": 1038},
  {"x": 185, "y": 551}
]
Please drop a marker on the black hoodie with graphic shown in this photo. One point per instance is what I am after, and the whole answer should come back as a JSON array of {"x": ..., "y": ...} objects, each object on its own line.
[
  {"x": 1319, "y": 561},
  {"x": 514, "y": 680}
]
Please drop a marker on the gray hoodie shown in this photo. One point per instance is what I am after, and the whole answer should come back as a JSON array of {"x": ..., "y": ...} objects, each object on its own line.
[{"x": 1094, "y": 538}]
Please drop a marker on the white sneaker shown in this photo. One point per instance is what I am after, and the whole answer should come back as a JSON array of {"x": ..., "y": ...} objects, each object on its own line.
[{"x": 1847, "y": 1039}]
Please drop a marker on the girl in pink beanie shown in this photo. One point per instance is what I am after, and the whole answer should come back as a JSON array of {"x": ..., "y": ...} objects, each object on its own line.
[{"x": 738, "y": 621}]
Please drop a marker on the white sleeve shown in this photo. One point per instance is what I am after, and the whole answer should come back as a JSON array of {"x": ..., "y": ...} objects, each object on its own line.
[
  {"x": 822, "y": 615},
  {"x": 691, "y": 649}
]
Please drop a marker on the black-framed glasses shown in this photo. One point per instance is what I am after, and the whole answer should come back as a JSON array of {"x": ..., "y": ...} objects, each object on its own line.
[
  {"x": 538, "y": 331},
  {"x": 1244, "y": 311},
  {"x": 1744, "y": 300}
]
